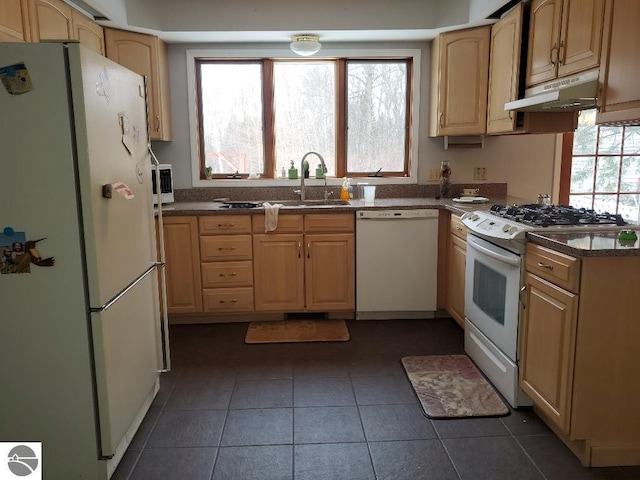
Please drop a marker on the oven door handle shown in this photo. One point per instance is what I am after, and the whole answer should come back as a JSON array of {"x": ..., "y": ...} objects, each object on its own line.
[{"x": 490, "y": 253}]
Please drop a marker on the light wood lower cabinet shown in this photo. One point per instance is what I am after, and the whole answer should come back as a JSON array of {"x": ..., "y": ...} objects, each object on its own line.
[
  {"x": 579, "y": 351},
  {"x": 226, "y": 254},
  {"x": 548, "y": 327},
  {"x": 182, "y": 253},
  {"x": 279, "y": 272},
  {"x": 456, "y": 263},
  {"x": 312, "y": 270}
]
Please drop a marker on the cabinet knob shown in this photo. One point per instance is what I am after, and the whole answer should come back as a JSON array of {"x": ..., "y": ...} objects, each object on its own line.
[
  {"x": 522, "y": 290},
  {"x": 544, "y": 265},
  {"x": 308, "y": 250},
  {"x": 157, "y": 123},
  {"x": 561, "y": 53},
  {"x": 233, "y": 274},
  {"x": 226, "y": 248},
  {"x": 226, "y": 225}
]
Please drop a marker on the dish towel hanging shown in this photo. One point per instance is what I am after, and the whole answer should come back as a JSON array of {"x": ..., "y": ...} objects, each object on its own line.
[{"x": 271, "y": 216}]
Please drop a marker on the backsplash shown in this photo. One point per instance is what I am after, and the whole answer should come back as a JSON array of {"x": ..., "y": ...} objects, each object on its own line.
[{"x": 489, "y": 190}]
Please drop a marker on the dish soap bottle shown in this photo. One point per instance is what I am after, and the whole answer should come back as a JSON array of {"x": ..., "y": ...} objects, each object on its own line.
[
  {"x": 293, "y": 172},
  {"x": 344, "y": 191},
  {"x": 319, "y": 172}
]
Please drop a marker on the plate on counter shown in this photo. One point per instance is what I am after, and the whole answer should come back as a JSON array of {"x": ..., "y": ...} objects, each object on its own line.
[{"x": 471, "y": 200}]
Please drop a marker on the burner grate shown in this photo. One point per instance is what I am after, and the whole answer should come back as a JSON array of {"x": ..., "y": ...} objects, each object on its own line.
[{"x": 551, "y": 215}]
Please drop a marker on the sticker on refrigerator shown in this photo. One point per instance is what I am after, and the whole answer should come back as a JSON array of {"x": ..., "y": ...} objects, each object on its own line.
[
  {"x": 16, "y": 79},
  {"x": 103, "y": 85},
  {"x": 18, "y": 253}
]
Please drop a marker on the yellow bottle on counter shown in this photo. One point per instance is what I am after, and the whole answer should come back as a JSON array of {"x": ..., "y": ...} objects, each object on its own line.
[{"x": 344, "y": 191}]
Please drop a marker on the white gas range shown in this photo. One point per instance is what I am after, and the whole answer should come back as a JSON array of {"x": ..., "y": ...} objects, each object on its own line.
[{"x": 496, "y": 244}]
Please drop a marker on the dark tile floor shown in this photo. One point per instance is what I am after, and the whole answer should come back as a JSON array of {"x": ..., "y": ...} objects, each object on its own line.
[{"x": 323, "y": 411}]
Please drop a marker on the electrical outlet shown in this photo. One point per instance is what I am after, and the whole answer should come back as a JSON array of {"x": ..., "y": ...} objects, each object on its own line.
[
  {"x": 479, "y": 173},
  {"x": 434, "y": 174}
]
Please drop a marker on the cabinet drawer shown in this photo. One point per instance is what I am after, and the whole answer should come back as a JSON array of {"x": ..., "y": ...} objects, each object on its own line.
[
  {"x": 224, "y": 224},
  {"x": 228, "y": 299},
  {"x": 556, "y": 267},
  {"x": 329, "y": 222},
  {"x": 227, "y": 274},
  {"x": 286, "y": 224},
  {"x": 225, "y": 247},
  {"x": 457, "y": 227}
]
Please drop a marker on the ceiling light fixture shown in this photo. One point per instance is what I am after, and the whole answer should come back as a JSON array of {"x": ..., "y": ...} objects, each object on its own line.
[{"x": 305, "y": 45}]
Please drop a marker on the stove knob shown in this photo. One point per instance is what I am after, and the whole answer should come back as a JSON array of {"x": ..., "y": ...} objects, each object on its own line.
[
  {"x": 475, "y": 217},
  {"x": 506, "y": 228}
]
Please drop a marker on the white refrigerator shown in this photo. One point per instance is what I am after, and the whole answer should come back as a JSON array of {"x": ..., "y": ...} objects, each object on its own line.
[{"x": 81, "y": 339}]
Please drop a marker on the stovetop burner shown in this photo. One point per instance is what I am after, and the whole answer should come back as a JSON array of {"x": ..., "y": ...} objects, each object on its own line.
[{"x": 550, "y": 215}]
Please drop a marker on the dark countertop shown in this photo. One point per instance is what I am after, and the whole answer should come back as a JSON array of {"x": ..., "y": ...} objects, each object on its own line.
[
  {"x": 603, "y": 243},
  {"x": 216, "y": 208},
  {"x": 578, "y": 244}
]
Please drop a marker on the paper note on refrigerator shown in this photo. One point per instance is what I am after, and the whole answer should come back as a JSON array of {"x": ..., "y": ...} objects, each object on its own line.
[{"x": 123, "y": 190}]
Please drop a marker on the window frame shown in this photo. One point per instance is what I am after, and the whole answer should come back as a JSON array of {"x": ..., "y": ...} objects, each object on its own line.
[
  {"x": 566, "y": 164},
  {"x": 373, "y": 54}
]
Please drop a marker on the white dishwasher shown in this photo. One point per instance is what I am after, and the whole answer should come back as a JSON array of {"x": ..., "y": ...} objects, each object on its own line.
[{"x": 396, "y": 263}]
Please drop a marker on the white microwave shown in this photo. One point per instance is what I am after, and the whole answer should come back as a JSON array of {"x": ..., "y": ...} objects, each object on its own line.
[{"x": 166, "y": 184}]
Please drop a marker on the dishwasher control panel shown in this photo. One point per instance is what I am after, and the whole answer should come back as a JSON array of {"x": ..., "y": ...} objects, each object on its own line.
[{"x": 391, "y": 214}]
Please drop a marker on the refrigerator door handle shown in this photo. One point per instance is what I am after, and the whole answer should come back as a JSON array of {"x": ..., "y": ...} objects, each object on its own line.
[{"x": 123, "y": 292}]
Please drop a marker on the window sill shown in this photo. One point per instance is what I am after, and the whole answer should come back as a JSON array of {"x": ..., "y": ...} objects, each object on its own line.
[{"x": 283, "y": 182}]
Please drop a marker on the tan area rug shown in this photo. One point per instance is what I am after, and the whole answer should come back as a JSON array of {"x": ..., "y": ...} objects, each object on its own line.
[
  {"x": 450, "y": 386},
  {"x": 297, "y": 331}
]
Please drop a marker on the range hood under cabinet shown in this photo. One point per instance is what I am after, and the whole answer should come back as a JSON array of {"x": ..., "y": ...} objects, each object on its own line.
[{"x": 573, "y": 93}]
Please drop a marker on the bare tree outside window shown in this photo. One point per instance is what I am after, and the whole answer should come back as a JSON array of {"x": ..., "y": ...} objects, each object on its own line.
[
  {"x": 377, "y": 116},
  {"x": 605, "y": 168},
  {"x": 258, "y": 115},
  {"x": 305, "y": 112},
  {"x": 231, "y": 115}
]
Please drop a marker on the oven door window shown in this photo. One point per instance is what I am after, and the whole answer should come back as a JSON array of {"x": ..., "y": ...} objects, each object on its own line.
[{"x": 489, "y": 291}]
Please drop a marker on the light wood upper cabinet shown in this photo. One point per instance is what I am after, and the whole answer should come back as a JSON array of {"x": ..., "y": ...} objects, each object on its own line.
[
  {"x": 145, "y": 55},
  {"x": 564, "y": 38},
  {"x": 619, "y": 99},
  {"x": 50, "y": 20},
  {"x": 504, "y": 70},
  {"x": 88, "y": 32},
  {"x": 459, "y": 77},
  {"x": 14, "y": 21},
  {"x": 39, "y": 20},
  {"x": 182, "y": 253}
]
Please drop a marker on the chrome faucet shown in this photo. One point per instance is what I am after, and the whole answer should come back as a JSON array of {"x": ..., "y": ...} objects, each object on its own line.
[{"x": 324, "y": 169}]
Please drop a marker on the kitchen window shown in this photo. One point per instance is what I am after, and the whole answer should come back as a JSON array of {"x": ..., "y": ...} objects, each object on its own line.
[
  {"x": 601, "y": 168},
  {"x": 256, "y": 115}
]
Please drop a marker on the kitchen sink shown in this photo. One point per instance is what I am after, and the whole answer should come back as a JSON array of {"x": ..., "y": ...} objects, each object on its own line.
[{"x": 311, "y": 203}]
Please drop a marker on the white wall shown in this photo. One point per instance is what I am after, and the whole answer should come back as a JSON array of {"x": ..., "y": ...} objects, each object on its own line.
[{"x": 525, "y": 162}]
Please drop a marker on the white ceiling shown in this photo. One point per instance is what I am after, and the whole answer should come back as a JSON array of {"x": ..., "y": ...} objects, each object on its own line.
[{"x": 262, "y": 21}]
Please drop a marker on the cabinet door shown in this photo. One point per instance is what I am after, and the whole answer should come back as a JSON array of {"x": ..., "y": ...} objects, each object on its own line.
[
  {"x": 184, "y": 285},
  {"x": 50, "y": 20},
  {"x": 88, "y": 32},
  {"x": 14, "y": 21},
  {"x": 544, "y": 37},
  {"x": 462, "y": 67},
  {"x": 330, "y": 272},
  {"x": 278, "y": 272},
  {"x": 548, "y": 334},
  {"x": 619, "y": 99},
  {"x": 456, "y": 261},
  {"x": 504, "y": 70},
  {"x": 581, "y": 36},
  {"x": 145, "y": 55}
]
